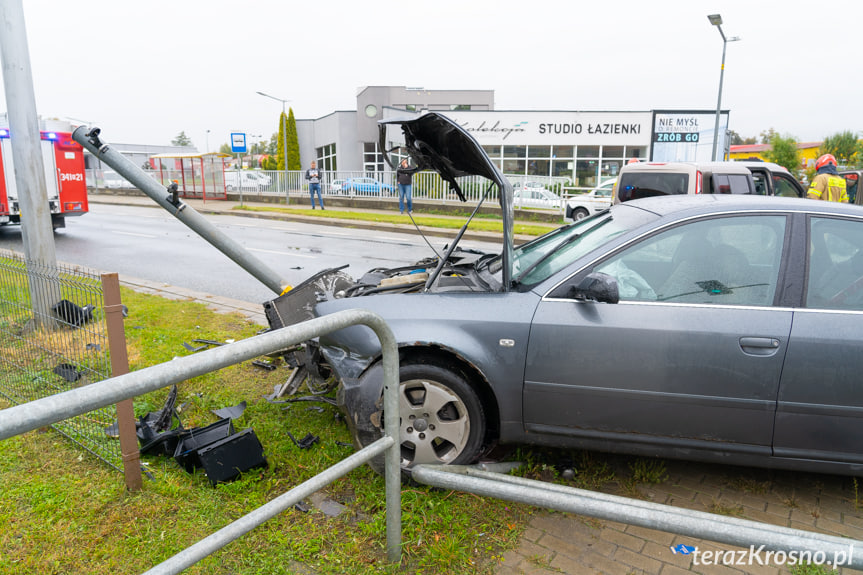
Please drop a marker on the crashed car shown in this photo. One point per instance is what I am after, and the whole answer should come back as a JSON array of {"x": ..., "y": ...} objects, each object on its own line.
[{"x": 701, "y": 327}]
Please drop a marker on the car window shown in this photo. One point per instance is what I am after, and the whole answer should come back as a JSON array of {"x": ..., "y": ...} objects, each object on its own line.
[
  {"x": 730, "y": 184},
  {"x": 541, "y": 258},
  {"x": 731, "y": 260},
  {"x": 644, "y": 185},
  {"x": 835, "y": 277},
  {"x": 760, "y": 183},
  {"x": 782, "y": 186}
]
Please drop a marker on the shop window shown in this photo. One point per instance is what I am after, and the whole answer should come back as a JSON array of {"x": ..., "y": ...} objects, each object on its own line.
[
  {"x": 539, "y": 151},
  {"x": 610, "y": 168},
  {"x": 561, "y": 168},
  {"x": 459, "y": 107},
  {"x": 586, "y": 173},
  {"x": 514, "y": 166},
  {"x": 561, "y": 152},
  {"x": 515, "y": 151},
  {"x": 635, "y": 152},
  {"x": 612, "y": 152},
  {"x": 588, "y": 151},
  {"x": 538, "y": 167},
  {"x": 492, "y": 151}
]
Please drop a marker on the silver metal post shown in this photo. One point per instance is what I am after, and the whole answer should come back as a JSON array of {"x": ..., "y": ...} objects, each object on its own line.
[
  {"x": 126, "y": 168},
  {"x": 37, "y": 231},
  {"x": 716, "y": 20}
]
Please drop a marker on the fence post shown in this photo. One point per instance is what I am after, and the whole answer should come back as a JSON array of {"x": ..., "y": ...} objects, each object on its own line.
[{"x": 120, "y": 366}]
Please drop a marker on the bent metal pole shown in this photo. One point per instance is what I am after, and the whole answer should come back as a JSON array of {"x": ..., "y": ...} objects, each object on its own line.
[{"x": 183, "y": 212}]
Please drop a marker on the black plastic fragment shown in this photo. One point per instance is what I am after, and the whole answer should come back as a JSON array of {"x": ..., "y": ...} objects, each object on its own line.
[
  {"x": 68, "y": 371},
  {"x": 72, "y": 313},
  {"x": 233, "y": 412},
  {"x": 305, "y": 442}
]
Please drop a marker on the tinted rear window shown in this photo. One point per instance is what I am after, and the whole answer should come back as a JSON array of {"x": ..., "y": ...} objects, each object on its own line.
[
  {"x": 647, "y": 184},
  {"x": 729, "y": 184}
]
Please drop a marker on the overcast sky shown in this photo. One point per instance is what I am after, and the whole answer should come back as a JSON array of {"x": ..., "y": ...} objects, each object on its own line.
[{"x": 144, "y": 71}]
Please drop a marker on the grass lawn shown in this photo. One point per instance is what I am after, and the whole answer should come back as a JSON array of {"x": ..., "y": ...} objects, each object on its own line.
[
  {"x": 432, "y": 221},
  {"x": 62, "y": 511}
]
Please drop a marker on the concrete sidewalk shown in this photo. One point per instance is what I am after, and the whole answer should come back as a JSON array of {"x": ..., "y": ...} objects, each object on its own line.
[{"x": 565, "y": 543}]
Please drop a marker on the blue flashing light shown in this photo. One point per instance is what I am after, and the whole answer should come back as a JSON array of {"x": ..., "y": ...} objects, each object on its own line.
[
  {"x": 4, "y": 133},
  {"x": 49, "y": 135}
]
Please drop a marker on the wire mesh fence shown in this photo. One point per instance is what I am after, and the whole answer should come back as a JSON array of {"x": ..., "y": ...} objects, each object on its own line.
[{"x": 58, "y": 348}]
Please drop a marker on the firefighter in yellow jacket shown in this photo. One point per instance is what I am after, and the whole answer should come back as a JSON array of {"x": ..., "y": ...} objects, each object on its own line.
[{"x": 828, "y": 184}]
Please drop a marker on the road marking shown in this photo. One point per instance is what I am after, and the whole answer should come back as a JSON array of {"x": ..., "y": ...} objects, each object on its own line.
[
  {"x": 132, "y": 234},
  {"x": 293, "y": 254}
]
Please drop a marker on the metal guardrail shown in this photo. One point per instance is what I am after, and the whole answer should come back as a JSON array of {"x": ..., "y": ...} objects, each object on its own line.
[
  {"x": 35, "y": 414},
  {"x": 698, "y": 524}
]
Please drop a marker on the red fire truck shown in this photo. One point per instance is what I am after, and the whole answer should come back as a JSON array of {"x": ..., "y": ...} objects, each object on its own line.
[{"x": 63, "y": 158}]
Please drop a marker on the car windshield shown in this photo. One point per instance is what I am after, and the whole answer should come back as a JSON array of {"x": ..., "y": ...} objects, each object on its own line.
[{"x": 539, "y": 259}]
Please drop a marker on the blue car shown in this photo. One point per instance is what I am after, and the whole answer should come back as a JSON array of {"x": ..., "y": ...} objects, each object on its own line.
[{"x": 366, "y": 187}]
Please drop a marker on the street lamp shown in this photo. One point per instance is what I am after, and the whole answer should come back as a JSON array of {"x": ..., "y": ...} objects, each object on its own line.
[
  {"x": 716, "y": 20},
  {"x": 284, "y": 130},
  {"x": 207, "y": 137}
]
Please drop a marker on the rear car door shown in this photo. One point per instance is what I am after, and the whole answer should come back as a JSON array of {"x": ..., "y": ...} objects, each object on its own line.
[
  {"x": 691, "y": 356},
  {"x": 820, "y": 408}
]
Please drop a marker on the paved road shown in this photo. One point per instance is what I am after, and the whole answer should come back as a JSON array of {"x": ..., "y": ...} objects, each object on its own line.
[{"x": 149, "y": 243}]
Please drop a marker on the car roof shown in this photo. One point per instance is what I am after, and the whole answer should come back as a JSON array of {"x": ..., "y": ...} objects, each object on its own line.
[
  {"x": 699, "y": 204},
  {"x": 686, "y": 167},
  {"x": 758, "y": 164}
]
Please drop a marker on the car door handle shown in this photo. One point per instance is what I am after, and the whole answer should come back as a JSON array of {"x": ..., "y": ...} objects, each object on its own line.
[{"x": 759, "y": 345}]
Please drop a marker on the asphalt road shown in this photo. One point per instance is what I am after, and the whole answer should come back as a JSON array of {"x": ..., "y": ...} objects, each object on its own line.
[{"x": 146, "y": 243}]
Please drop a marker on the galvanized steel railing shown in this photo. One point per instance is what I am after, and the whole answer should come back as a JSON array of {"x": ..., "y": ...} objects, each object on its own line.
[{"x": 29, "y": 416}]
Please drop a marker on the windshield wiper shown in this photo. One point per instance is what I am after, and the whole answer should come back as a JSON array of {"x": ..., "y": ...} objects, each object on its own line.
[{"x": 557, "y": 248}]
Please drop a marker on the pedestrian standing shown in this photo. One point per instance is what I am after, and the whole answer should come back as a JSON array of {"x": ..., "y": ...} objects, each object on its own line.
[
  {"x": 828, "y": 184},
  {"x": 313, "y": 175},
  {"x": 404, "y": 176}
]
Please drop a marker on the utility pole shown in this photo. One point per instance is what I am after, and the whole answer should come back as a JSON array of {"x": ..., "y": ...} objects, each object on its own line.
[{"x": 36, "y": 228}]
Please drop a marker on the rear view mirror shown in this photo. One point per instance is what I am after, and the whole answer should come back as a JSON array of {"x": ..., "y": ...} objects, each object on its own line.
[{"x": 598, "y": 287}]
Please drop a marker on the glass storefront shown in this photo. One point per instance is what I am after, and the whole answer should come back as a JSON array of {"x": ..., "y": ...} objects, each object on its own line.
[{"x": 584, "y": 166}]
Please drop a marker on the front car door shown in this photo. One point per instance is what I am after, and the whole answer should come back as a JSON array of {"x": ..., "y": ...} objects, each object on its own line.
[{"x": 689, "y": 359}]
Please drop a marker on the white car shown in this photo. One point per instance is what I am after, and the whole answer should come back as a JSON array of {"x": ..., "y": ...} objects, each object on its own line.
[
  {"x": 535, "y": 198},
  {"x": 335, "y": 186},
  {"x": 598, "y": 199}
]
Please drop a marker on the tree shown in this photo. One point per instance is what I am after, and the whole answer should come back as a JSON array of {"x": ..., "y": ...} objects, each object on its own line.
[
  {"x": 784, "y": 151},
  {"x": 843, "y": 145},
  {"x": 280, "y": 144},
  {"x": 293, "y": 142},
  {"x": 181, "y": 140},
  {"x": 766, "y": 135}
]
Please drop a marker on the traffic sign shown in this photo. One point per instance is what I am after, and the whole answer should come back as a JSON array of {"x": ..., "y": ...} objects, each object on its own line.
[{"x": 238, "y": 142}]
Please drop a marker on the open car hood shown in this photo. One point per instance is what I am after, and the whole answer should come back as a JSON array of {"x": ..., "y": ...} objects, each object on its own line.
[{"x": 436, "y": 142}]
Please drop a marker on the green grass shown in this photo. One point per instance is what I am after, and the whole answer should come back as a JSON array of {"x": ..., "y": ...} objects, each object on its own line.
[
  {"x": 477, "y": 225},
  {"x": 61, "y": 511}
]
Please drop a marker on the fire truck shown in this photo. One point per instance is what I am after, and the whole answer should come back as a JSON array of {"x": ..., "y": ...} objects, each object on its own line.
[{"x": 63, "y": 159}]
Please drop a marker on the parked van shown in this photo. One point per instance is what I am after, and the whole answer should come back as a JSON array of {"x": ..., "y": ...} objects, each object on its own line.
[{"x": 646, "y": 179}]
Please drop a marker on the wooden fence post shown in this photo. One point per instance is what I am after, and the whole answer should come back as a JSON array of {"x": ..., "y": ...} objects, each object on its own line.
[{"x": 120, "y": 366}]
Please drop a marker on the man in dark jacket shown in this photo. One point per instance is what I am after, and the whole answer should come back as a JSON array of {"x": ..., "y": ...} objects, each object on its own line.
[{"x": 404, "y": 177}]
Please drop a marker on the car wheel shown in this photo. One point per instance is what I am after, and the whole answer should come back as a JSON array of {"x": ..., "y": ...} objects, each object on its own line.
[
  {"x": 229, "y": 188},
  {"x": 579, "y": 214},
  {"x": 441, "y": 419}
]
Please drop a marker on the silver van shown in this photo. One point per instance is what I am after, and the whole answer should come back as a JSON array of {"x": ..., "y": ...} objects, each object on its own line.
[{"x": 646, "y": 179}]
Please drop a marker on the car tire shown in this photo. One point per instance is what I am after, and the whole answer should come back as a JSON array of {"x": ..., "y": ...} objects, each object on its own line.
[
  {"x": 442, "y": 420},
  {"x": 579, "y": 214},
  {"x": 229, "y": 188}
]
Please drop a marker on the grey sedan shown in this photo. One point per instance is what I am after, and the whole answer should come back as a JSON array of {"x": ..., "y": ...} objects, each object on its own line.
[{"x": 713, "y": 328}]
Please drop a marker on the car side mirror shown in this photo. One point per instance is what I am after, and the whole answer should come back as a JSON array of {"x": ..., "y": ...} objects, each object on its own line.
[{"x": 598, "y": 287}]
